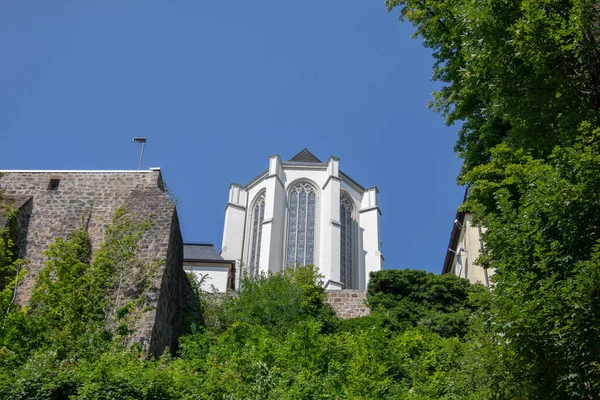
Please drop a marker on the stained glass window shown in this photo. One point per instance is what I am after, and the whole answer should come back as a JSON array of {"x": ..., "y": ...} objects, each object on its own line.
[
  {"x": 256, "y": 219},
  {"x": 346, "y": 237},
  {"x": 300, "y": 247}
]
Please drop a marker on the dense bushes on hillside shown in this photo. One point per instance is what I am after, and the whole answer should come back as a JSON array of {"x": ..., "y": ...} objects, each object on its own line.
[
  {"x": 277, "y": 338},
  {"x": 411, "y": 298},
  {"x": 428, "y": 337}
]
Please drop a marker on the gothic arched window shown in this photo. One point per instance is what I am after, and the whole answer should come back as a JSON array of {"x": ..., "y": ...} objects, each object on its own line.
[
  {"x": 257, "y": 217},
  {"x": 301, "y": 225},
  {"x": 346, "y": 237}
]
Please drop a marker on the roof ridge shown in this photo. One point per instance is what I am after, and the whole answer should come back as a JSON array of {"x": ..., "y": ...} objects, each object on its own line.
[{"x": 305, "y": 156}]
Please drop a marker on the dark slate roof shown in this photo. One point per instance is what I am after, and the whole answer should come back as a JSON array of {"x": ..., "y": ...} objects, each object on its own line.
[
  {"x": 200, "y": 252},
  {"x": 305, "y": 156}
]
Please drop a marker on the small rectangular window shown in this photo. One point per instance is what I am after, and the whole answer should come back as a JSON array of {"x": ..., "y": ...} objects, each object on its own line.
[{"x": 53, "y": 184}]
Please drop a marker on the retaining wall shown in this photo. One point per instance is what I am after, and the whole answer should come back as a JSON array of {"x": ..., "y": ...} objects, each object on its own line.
[
  {"x": 62, "y": 200},
  {"x": 348, "y": 303}
]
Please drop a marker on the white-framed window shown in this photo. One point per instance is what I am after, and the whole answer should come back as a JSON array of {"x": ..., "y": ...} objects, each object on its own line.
[
  {"x": 347, "y": 218},
  {"x": 300, "y": 245},
  {"x": 257, "y": 218},
  {"x": 459, "y": 259}
]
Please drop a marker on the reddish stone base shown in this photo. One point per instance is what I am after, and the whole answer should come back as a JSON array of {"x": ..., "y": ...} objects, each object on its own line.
[{"x": 348, "y": 303}]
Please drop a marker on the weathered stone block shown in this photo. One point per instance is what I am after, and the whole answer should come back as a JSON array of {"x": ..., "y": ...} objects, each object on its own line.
[
  {"x": 348, "y": 303},
  {"x": 60, "y": 201}
]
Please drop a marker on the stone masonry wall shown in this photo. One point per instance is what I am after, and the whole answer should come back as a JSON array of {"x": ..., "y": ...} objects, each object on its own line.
[
  {"x": 23, "y": 206},
  {"x": 175, "y": 289},
  {"x": 56, "y": 213},
  {"x": 348, "y": 303},
  {"x": 92, "y": 197}
]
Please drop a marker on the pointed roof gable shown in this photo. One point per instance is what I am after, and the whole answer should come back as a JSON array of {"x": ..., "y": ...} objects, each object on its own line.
[{"x": 305, "y": 156}]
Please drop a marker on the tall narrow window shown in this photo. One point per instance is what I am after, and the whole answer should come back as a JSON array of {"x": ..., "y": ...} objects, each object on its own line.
[
  {"x": 257, "y": 217},
  {"x": 346, "y": 237},
  {"x": 301, "y": 225}
]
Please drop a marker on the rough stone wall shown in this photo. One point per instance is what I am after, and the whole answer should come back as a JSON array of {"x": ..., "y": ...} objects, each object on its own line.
[
  {"x": 348, "y": 303},
  {"x": 92, "y": 197},
  {"x": 56, "y": 213},
  {"x": 23, "y": 214},
  {"x": 23, "y": 206},
  {"x": 172, "y": 306}
]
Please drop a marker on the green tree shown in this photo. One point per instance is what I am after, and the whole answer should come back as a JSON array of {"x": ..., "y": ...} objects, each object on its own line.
[
  {"x": 279, "y": 301},
  {"x": 410, "y": 298},
  {"x": 524, "y": 72},
  {"x": 11, "y": 270},
  {"x": 543, "y": 239},
  {"x": 523, "y": 76}
]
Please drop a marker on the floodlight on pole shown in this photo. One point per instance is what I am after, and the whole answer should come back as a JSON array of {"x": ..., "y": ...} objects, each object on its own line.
[{"x": 141, "y": 140}]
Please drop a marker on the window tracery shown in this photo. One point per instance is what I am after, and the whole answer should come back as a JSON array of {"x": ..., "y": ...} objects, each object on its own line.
[
  {"x": 257, "y": 218},
  {"x": 346, "y": 238},
  {"x": 300, "y": 247}
]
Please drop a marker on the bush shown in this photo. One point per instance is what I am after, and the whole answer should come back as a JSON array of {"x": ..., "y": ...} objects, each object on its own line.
[
  {"x": 410, "y": 298},
  {"x": 279, "y": 301}
]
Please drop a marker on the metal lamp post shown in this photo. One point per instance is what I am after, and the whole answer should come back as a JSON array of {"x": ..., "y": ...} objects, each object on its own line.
[{"x": 141, "y": 140}]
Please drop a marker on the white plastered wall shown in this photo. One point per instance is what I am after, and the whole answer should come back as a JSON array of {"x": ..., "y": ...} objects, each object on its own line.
[
  {"x": 329, "y": 238},
  {"x": 271, "y": 257},
  {"x": 254, "y": 192},
  {"x": 469, "y": 246},
  {"x": 213, "y": 277},
  {"x": 355, "y": 194},
  {"x": 235, "y": 220},
  {"x": 369, "y": 226},
  {"x": 329, "y": 184}
]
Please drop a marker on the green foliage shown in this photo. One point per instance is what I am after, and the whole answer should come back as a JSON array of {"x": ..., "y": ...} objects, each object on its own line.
[
  {"x": 11, "y": 272},
  {"x": 272, "y": 342},
  {"x": 411, "y": 298},
  {"x": 120, "y": 280},
  {"x": 10, "y": 265},
  {"x": 279, "y": 301},
  {"x": 524, "y": 78},
  {"x": 61, "y": 288},
  {"x": 78, "y": 309},
  {"x": 276, "y": 339},
  {"x": 520, "y": 72},
  {"x": 543, "y": 239}
]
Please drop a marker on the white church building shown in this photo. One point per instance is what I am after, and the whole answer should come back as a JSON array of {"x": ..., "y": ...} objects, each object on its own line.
[{"x": 300, "y": 212}]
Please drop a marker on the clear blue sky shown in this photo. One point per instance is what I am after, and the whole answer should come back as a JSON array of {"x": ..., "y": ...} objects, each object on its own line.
[{"x": 217, "y": 87}]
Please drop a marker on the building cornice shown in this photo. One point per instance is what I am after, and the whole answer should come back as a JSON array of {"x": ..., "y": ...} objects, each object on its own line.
[
  {"x": 257, "y": 179},
  {"x": 370, "y": 209},
  {"x": 235, "y": 206},
  {"x": 197, "y": 260},
  {"x": 454, "y": 236},
  {"x": 278, "y": 179},
  {"x": 87, "y": 171},
  {"x": 331, "y": 282},
  {"x": 330, "y": 178},
  {"x": 299, "y": 165},
  {"x": 351, "y": 182}
]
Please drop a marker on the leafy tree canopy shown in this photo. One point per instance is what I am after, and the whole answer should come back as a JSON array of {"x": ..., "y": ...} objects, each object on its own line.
[
  {"x": 410, "y": 298},
  {"x": 523, "y": 77},
  {"x": 524, "y": 72}
]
